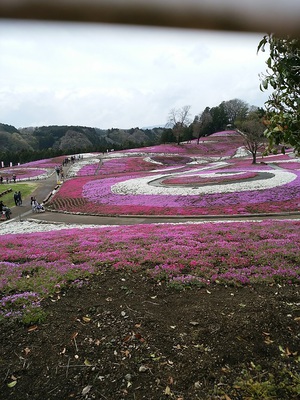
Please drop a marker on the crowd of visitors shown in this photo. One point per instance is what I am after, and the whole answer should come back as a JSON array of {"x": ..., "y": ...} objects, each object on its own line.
[
  {"x": 7, "y": 180},
  {"x": 5, "y": 211}
]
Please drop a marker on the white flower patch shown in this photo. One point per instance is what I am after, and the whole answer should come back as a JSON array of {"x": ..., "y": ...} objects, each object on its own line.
[
  {"x": 84, "y": 155},
  {"x": 221, "y": 174},
  {"x": 192, "y": 171},
  {"x": 150, "y": 160},
  {"x": 140, "y": 154},
  {"x": 225, "y": 133},
  {"x": 80, "y": 164},
  {"x": 208, "y": 141},
  {"x": 45, "y": 175},
  {"x": 205, "y": 160},
  {"x": 116, "y": 155},
  {"x": 145, "y": 185},
  {"x": 197, "y": 161},
  {"x": 12, "y": 227},
  {"x": 241, "y": 152}
]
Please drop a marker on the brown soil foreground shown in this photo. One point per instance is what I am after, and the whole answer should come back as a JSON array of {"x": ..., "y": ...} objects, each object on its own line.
[{"x": 123, "y": 336}]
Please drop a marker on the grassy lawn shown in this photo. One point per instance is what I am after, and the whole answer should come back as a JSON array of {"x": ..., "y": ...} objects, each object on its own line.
[{"x": 25, "y": 188}]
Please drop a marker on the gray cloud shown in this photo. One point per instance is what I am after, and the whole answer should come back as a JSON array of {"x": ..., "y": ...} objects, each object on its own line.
[{"x": 111, "y": 76}]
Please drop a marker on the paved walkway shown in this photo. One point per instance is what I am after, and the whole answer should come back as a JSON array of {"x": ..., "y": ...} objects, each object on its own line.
[{"x": 47, "y": 186}]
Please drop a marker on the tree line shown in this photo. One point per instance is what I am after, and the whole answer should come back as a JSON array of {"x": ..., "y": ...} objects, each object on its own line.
[{"x": 235, "y": 114}]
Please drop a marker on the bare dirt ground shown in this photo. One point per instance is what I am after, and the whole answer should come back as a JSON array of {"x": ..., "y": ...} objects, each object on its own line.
[{"x": 123, "y": 336}]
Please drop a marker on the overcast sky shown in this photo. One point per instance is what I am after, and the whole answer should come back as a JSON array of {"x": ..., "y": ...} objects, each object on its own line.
[{"x": 108, "y": 76}]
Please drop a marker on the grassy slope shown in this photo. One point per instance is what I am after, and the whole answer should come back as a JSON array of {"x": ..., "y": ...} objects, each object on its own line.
[{"x": 25, "y": 189}]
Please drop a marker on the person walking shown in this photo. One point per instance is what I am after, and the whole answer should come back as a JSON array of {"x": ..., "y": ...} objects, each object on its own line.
[
  {"x": 32, "y": 203},
  {"x": 20, "y": 198},
  {"x": 16, "y": 198}
]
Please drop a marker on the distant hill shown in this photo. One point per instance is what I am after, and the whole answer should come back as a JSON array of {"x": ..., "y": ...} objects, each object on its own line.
[{"x": 66, "y": 139}]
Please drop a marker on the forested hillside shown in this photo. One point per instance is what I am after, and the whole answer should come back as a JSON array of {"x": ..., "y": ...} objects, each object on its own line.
[{"x": 27, "y": 144}]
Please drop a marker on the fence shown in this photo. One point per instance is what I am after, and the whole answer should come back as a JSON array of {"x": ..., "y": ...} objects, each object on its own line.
[{"x": 280, "y": 16}]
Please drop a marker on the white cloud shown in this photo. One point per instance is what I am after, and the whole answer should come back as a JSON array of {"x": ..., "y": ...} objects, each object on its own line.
[{"x": 111, "y": 76}]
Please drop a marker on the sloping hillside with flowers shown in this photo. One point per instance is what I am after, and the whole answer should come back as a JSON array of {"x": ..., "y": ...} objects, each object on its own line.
[{"x": 212, "y": 177}]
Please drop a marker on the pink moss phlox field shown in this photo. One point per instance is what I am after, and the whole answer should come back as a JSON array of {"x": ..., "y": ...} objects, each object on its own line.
[
  {"x": 98, "y": 199},
  {"x": 198, "y": 179},
  {"x": 90, "y": 169},
  {"x": 32, "y": 170},
  {"x": 45, "y": 163},
  {"x": 24, "y": 173},
  {"x": 162, "y": 148},
  {"x": 125, "y": 165},
  {"x": 95, "y": 195},
  {"x": 172, "y": 160},
  {"x": 210, "y": 145},
  {"x": 246, "y": 163},
  {"x": 212, "y": 253},
  {"x": 285, "y": 197},
  {"x": 48, "y": 163},
  {"x": 289, "y": 165},
  {"x": 73, "y": 188}
]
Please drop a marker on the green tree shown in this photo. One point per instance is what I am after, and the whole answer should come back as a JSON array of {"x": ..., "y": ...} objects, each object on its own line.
[
  {"x": 188, "y": 134},
  {"x": 235, "y": 109},
  {"x": 202, "y": 124},
  {"x": 283, "y": 76},
  {"x": 167, "y": 136},
  {"x": 219, "y": 118}
]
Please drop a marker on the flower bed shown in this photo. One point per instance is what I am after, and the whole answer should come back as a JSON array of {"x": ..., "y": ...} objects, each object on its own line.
[
  {"x": 215, "y": 178},
  {"x": 137, "y": 197},
  {"x": 289, "y": 164},
  {"x": 89, "y": 166},
  {"x": 224, "y": 144},
  {"x": 198, "y": 180},
  {"x": 45, "y": 163},
  {"x": 24, "y": 173},
  {"x": 126, "y": 164},
  {"x": 35, "y": 266},
  {"x": 171, "y": 160}
]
